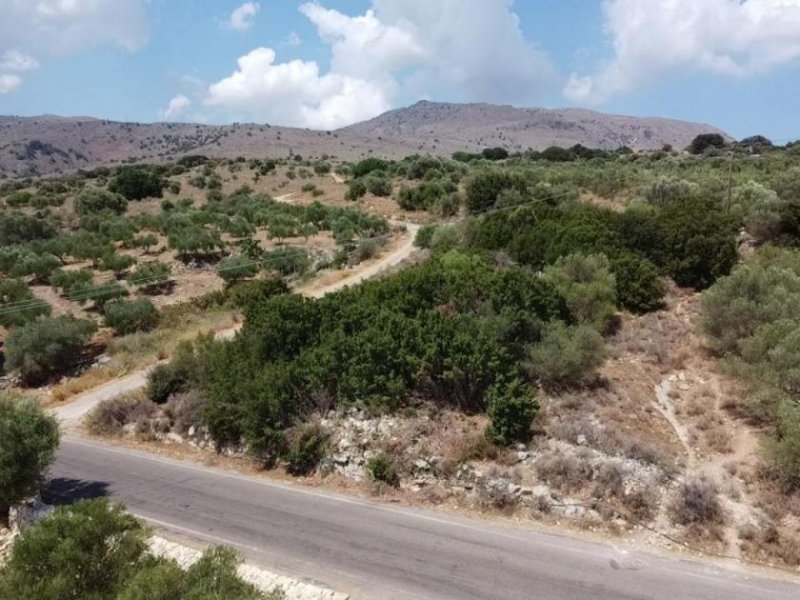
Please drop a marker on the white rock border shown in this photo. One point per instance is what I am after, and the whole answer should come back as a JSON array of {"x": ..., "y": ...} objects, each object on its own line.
[{"x": 264, "y": 580}]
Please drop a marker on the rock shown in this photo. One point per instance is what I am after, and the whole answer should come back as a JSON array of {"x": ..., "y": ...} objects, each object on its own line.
[
  {"x": 526, "y": 491},
  {"x": 174, "y": 438},
  {"x": 514, "y": 489},
  {"x": 574, "y": 512},
  {"x": 521, "y": 447},
  {"x": 422, "y": 465},
  {"x": 522, "y": 456},
  {"x": 581, "y": 441},
  {"x": 192, "y": 431},
  {"x": 103, "y": 359},
  {"x": 28, "y": 513},
  {"x": 541, "y": 490},
  {"x": 682, "y": 376}
]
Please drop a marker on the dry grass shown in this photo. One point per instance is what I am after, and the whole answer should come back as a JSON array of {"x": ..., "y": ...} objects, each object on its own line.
[
  {"x": 110, "y": 417},
  {"x": 697, "y": 503}
]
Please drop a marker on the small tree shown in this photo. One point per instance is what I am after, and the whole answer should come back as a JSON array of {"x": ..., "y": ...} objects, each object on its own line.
[
  {"x": 47, "y": 346},
  {"x": 588, "y": 286},
  {"x": 130, "y": 316},
  {"x": 511, "y": 408},
  {"x": 566, "y": 355},
  {"x": 138, "y": 183},
  {"x": 28, "y": 441},
  {"x": 237, "y": 267},
  {"x": 86, "y": 550},
  {"x": 92, "y": 201},
  {"x": 706, "y": 140},
  {"x": 18, "y": 305}
]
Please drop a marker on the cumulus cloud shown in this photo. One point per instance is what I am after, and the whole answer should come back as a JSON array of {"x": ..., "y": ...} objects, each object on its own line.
[
  {"x": 475, "y": 54},
  {"x": 176, "y": 108},
  {"x": 14, "y": 60},
  {"x": 242, "y": 17},
  {"x": 33, "y": 30},
  {"x": 737, "y": 38},
  {"x": 9, "y": 83},
  {"x": 295, "y": 93}
]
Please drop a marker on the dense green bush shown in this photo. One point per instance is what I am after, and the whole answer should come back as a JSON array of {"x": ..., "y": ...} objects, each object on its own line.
[
  {"x": 28, "y": 442},
  {"x": 47, "y": 346},
  {"x": 92, "y": 201},
  {"x": 512, "y": 409},
  {"x": 484, "y": 187},
  {"x": 639, "y": 287},
  {"x": 381, "y": 469},
  {"x": 587, "y": 285},
  {"x": 566, "y": 355},
  {"x": 306, "y": 448},
  {"x": 237, "y": 267},
  {"x": 130, "y": 316},
  {"x": 138, "y": 183},
  {"x": 18, "y": 305}
]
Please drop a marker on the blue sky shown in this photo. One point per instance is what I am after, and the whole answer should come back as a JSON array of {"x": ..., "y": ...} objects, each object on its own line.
[{"x": 731, "y": 63}]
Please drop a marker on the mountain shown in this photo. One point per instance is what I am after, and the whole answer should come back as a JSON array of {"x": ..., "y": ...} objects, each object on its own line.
[{"x": 50, "y": 145}]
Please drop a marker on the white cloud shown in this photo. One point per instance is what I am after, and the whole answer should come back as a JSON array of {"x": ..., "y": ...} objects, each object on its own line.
[
  {"x": 176, "y": 108},
  {"x": 294, "y": 93},
  {"x": 14, "y": 60},
  {"x": 33, "y": 30},
  {"x": 9, "y": 83},
  {"x": 737, "y": 38},
  {"x": 242, "y": 17},
  {"x": 293, "y": 39},
  {"x": 436, "y": 45}
]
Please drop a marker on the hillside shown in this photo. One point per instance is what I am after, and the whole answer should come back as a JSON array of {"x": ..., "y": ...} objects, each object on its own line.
[{"x": 49, "y": 145}]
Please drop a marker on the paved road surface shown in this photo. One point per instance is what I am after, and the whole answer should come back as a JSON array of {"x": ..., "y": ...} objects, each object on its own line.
[{"x": 376, "y": 551}]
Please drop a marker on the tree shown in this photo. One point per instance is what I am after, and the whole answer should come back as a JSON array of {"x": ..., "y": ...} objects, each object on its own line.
[
  {"x": 137, "y": 183},
  {"x": 587, "y": 285},
  {"x": 86, "y": 550},
  {"x": 566, "y": 355},
  {"x": 483, "y": 188},
  {"x": 495, "y": 153},
  {"x": 47, "y": 346},
  {"x": 237, "y": 267},
  {"x": 92, "y": 201},
  {"x": 512, "y": 409},
  {"x": 639, "y": 287},
  {"x": 18, "y": 305},
  {"x": 130, "y": 316},
  {"x": 28, "y": 442},
  {"x": 704, "y": 141},
  {"x": 356, "y": 189}
]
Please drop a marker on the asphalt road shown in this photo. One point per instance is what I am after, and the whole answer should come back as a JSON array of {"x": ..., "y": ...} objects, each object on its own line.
[{"x": 375, "y": 551}]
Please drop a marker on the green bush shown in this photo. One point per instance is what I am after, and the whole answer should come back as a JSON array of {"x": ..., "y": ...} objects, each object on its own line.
[
  {"x": 18, "y": 305},
  {"x": 784, "y": 448},
  {"x": 85, "y": 550},
  {"x": 130, "y": 316},
  {"x": 639, "y": 287},
  {"x": 587, "y": 285},
  {"x": 92, "y": 201},
  {"x": 381, "y": 469},
  {"x": 425, "y": 235},
  {"x": 356, "y": 189},
  {"x": 28, "y": 442},
  {"x": 566, "y": 355},
  {"x": 307, "y": 447},
  {"x": 237, "y": 267},
  {"x": 512, "y": 409},
  {"x": 379, "y": 186},
  {"x": 47, "y": 346},
  {"x": 138, "y": 183}
]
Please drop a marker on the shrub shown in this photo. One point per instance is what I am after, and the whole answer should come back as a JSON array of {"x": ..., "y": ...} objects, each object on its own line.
[
  {"x": 425, "y": 235},
  {"x": 697, "y": 503},
  {"x": 379, "y": 186},
  {"x": 185, "y": 411},
  {"x": 18, "y": 305},
  {"x": 258, "y": 291},
  {"x": 512, "y": 409},
  {"x": 28, "y": 442},
  {"x": 381, "y": 469},
  {"x": 368, "y": 165},
  {"x": 639, "y": 287},
  {"x": 237, "y": 267},
  {"x": 92, "y": 201},
  {"x": 130, "y": 316},
  {"x": 704, "y": 141},
  {"x": 174, "y": 377},
  {"x": 137, "y": 183},
  {"x": 356, "y": 189},
  {"x": 47, "y": 346},
  {"x": 566, "y": 355},
  {"x": 150, "y": 274},
  {"x": 110, "y": 416},
  {"x": 85, "y": 550},
  {"x": 307, "y": 447},
  {"x": 587, "y": 285},
  {"x": 784, "y": 448}
]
